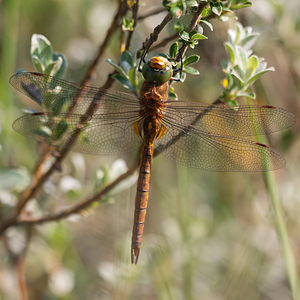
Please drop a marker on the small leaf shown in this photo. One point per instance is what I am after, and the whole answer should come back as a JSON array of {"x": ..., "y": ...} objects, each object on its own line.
[
  {"x": 61, "y": 64},
  {"x": 204, "y": 12},
  {"x": 216, "y": 8},
  {"x": 250, "y": 95},
  {"x": 191, "y": 70},
  {"x": 60, "y": 129},
  {"x": 126, "y": 61},
  {"x": 173, "y": 50},
  {"x": 117, "y": 68},
  {"x": 132, "y": 78},
  {"x": 124, "y": 81},
  {"x": 230, "y": 50},
  {"x": 176, "y": 12},
  {"x": 184, "y": 35},
  {"x": 192, "y": 3},
  {"x": 258, "y": 75},
  {"x": 41, "y": 48},
  {"x": 198, "y": 36},
  {"x": 208, "y": 24},
  {"x": 37, "y": 64},
  {"x": 191, "y": 60},
  {"x": 251, "y": 65}
]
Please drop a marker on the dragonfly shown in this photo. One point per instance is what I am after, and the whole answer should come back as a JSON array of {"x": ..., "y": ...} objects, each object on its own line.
[{"x": 108, "y": 122}]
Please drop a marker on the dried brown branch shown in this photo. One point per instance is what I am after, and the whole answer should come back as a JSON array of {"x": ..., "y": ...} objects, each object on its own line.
[{"x": 82, "y": 205}]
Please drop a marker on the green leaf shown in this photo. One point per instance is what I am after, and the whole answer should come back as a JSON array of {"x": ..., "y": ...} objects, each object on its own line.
[
  {"x": 37, "y": 64},
  {"x": 191, "y": 60},
  {"x": 204, "y": 12},
  {"x": 172, "y": 94},
  {"x": 250, "y": 95},
  {"x": 60, "y": 129},
  {"x": 117, "y": 68},
  {"x": 208, "y": 24},
  {"x": 126, "y": 61},
  {"x": 124, "y": 81},
  {"x": 41, "y": 49},
  {"x": 191, "y": 70},
  {"x": 198, "y": 36},
  {"x": 241, "y": 5},
  {"x": 258, "y": 75},
  {"x": 216, "y": 8},
  {"x": 176, "y": 12},
  {"x": 173, "y": 50},
  {"x": 251, "y": 65},
  {"x": 127, "y": 24},
  {"x": 192, "y": 3},
  {"x": 61, "y": 65},
  {"x": 230, "y": 50},
  {"x": 184, "y": 35},
  {"x": 132, "y": 78}
]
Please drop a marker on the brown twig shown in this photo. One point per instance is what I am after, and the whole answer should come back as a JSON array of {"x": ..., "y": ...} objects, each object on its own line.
[
  {"x": 82, "y": 205},
  {"x": 135, "y": 9}
]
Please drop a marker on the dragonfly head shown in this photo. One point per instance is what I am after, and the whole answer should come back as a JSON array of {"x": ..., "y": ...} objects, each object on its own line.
[{"x": 157, "y": 70}]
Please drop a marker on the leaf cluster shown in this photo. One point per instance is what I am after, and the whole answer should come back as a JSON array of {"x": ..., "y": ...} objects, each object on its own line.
[{"x": 243, "y": 67}]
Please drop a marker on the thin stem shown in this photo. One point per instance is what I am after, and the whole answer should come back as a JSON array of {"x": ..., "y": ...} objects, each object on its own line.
[
  {"x": 290, "y": 263},
  {"x": 280, "y": 226},
  {"x": 135, "y": 9},
  {"x": 82, "y": 205}
]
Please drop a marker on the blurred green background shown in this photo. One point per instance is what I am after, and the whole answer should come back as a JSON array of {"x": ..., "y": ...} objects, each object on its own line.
[{"x": 207, "y": 235}]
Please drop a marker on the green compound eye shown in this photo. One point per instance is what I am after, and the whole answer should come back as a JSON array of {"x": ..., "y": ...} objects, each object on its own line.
[{"x": 158, "y": 70}]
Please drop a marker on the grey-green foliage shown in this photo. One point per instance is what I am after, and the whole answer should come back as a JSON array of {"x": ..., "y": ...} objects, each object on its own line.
[
  {"x": 44, "y": 59},
  {"x": 127, "y": 73},
  {"x": 243, "y": 67}
]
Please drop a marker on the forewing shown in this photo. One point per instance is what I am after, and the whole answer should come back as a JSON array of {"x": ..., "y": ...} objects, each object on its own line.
[
  {"x": 243, "y": 120},
  {"x": 60, "y": 96}
]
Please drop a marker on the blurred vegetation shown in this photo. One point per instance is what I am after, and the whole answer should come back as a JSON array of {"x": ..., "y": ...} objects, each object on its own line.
[{"x": 207, "y": 235}]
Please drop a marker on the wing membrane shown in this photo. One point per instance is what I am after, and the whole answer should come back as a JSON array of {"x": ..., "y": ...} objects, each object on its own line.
[
  {"x": 60, "y": 96},
  {"x": 199, "y": 149},
  {"x": 243, "y": 120}
]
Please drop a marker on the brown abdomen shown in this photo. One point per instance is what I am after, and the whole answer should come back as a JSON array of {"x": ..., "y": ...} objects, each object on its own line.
[{"x": 141, "y": 201}]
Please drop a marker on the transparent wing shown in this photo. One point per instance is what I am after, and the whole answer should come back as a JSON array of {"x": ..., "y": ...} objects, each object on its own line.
[
  {"x": 243, "y": 120},
  {"x": 102, "y": 134},
  {"x": 194, "y": 148},
  {"x": 60, "y": 96}
]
